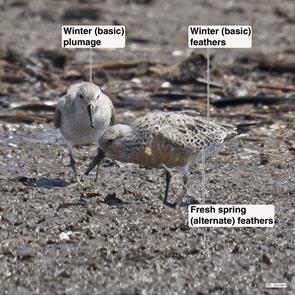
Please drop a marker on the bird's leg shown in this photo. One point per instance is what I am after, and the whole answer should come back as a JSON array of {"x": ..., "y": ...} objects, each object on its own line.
[
  {"x": 184, "y": 190},
  {"x": 73, "y": 166},
  {"x": 96, "y": 175},
  {"x": 95, "y": 162},
  {"x": 168, "y": 179},
  {"x": 97, "y": 166}
]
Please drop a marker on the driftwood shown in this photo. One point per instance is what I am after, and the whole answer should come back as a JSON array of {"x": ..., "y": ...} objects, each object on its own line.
[
  {"x": 276, "y": 65},
  {"x": 211, "y": 83},
  {"x": 276, "y": 87},
  {"x": 121, "y": 64},
  {"x": 35, "y": 106},
  {"x": 24, "y": 118},
  {"x": 233, "y": 101},
  {"x": 180, "y": 95}
]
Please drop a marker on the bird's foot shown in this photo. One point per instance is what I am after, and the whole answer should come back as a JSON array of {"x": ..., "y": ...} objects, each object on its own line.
[
  {"x": 176, "y": 205},
  {"x": 77, "y": 182},
  {"x": 169, "y": 205}
]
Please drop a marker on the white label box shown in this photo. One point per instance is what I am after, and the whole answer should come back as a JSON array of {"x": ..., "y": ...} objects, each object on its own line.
[
  {"x": 93, "y": 36},
  {"x": 231, "y": 215},
  {"x": 235, "y": 36}
]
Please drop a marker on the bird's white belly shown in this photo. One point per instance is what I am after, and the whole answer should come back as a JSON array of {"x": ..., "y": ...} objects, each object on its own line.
[{"x": 82, "y": 132}]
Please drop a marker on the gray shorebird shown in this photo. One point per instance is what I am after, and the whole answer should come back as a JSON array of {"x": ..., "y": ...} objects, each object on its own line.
[
  {"x": 172, "y": 139},
  {"x": 83, "y": 114}
]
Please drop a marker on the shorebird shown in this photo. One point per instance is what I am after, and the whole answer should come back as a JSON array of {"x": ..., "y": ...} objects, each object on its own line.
[
  {"x": 83, "y": 114},
  {"x": 168, "y": 140}
]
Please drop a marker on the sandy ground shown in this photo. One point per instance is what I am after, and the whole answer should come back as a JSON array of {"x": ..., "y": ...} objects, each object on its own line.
[{"x": 115, "y": 236}]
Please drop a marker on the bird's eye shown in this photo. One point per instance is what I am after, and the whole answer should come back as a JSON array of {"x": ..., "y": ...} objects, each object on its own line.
[
  {"x": 110, "y": 140},
  {"x": 81, "y": 96}
]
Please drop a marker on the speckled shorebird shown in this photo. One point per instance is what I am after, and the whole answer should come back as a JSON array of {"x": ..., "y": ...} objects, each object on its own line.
[
  {"x": 172, "y": 139},
  {"x": 83, "y": 114}
]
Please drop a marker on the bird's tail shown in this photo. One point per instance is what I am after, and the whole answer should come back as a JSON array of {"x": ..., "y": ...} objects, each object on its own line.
[{"x": 230, "y": 131}]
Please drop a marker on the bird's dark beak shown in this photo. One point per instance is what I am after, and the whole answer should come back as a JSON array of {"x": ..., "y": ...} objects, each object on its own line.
[
  {"x": 96, "y": 161},
  {"x": 89, "y": 110}
]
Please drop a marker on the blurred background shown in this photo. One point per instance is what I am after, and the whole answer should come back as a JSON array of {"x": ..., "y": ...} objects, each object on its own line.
[{"x": 156, "y": 69}]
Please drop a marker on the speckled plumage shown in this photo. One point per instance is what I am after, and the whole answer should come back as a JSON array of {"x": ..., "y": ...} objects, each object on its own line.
[
  {"x": 172, "y": 139},
  {"x": 183, "y": 133}
]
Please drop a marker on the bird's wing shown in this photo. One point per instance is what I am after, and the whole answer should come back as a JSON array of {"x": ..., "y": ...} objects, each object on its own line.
[
  {"x": 112, "y": 122},
  {"x": 57, "y": 118},
  {"x": 179, "y": 138},
  {"x": 58, "y": 111},
  {"x": 193, "y": 136},
  {"x": 106, "y": 101},
  {"x": 184, "y": 130},
  {"x": 207, "y": 131}
]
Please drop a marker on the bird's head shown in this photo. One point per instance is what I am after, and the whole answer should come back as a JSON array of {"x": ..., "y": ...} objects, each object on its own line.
[
  {"x": 113, "y": 141},
  {"x": 87, "y": 96},
  {"x": 113, "y": 144}
]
